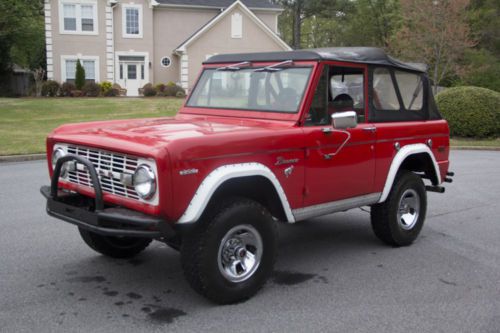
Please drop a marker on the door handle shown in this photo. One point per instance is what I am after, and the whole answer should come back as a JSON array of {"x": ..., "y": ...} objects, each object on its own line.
[
  {"x": 327, "y": 130},
  {"x": 370, "y": 129}
]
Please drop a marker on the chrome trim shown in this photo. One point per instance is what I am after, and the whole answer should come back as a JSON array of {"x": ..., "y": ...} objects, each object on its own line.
[
  {"x": 335, "y": 206},
  {"x": 188, "y": 172},
  {"x": 240, "y": 253},
  {"x": 114, "y": 171}
]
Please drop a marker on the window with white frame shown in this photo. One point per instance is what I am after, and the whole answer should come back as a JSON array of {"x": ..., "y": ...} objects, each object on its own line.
[
  {"x": 89, "y": 64},
  {"x": 78, "y": 17},
  {"x": 236, "y": 25},
  {"x": 132, "y": 21}
]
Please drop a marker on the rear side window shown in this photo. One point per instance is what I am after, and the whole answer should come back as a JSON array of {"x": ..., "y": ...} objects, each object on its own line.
[
  {"x": 398, "y": 95},
  {"x": 411, "y": 88},
  {"x": 384, "y": 92}
]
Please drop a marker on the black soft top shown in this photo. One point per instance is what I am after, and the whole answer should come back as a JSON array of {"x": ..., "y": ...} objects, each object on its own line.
[{"x": 365, "y": 55}]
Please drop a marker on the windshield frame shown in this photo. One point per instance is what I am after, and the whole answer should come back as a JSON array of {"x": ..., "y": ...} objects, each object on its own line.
[{"x": 253, "y": 113}]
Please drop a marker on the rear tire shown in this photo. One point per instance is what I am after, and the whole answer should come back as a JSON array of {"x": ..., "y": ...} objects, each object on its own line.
[
  {"x": 231, "y": 254},
  {"x": 115, "y": 247},
  {"x": 399, "y": 220}
]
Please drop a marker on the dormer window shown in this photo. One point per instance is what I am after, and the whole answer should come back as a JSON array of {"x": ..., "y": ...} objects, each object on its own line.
[
  {"x": 78, "y": 17},
  {"x": 132, "y": 21}
]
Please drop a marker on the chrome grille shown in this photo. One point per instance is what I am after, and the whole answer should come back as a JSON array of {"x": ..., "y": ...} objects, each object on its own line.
[{"x": 109, "y": 166}]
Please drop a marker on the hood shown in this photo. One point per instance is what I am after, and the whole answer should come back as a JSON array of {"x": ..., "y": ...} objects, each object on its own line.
[{"x": 155, "y": 134}]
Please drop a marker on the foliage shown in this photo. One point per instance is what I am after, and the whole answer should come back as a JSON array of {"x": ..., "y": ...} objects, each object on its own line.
[
  {"x": 67, "y": 88},
  {"x": 149, "y": 90},
  {"x": 106, "y": 87},
  {"x": 482, "y": 69},
  {"x": 484, "y": 22},
  {"x": 471, "y": 111},
  {"x": 117, "y": 90},
  {"x": 22, "y": 34},
  {"x": 79, "y": 75},
  {"x": 436, "y": 33},
  {"x": 50, "y": 88},
  {"x": 180, "y": 93},
  {"x": 298, "y": 12},
  {"x": 91, "y": 89},
  {"x": 372, "y": 23},
  {"x": 160, "y": 89},
  {"x": 77, "y": 93}
]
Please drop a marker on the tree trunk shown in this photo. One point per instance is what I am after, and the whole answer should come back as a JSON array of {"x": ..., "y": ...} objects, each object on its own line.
[{"x": 297, "y": 24}]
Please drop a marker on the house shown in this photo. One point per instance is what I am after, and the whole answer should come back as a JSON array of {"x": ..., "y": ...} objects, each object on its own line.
[{"x": 134, "y": 42}]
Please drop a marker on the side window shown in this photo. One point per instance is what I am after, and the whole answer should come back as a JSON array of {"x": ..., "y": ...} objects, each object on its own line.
[
  {"x": 347, "y": 91},
  {"x": 384, "y": 92},
  {"x": 318, "y": 114},
  {"x": 411, "y": 88}
]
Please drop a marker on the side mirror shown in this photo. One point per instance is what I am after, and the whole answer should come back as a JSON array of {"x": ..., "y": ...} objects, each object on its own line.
[{"x": 344, "y": 120}]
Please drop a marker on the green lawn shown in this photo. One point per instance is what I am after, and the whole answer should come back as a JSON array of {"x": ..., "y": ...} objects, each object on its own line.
[
  {"x": 483, "y": 143},
  {"x": 25, "y": 122}
]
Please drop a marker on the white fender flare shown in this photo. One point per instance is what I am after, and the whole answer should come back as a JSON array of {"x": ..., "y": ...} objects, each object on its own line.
[
  {"x": 218, "y": 176},
  {"x": 402, "y": 154}
]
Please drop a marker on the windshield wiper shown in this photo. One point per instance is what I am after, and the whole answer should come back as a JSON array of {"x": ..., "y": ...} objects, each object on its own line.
[
  {"x": 276, "y": 67},
  {"x": 235, "y": 67}
]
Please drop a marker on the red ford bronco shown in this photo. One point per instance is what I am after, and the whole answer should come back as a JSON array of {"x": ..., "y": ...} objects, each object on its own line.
[{"x": 262, "y": 138}]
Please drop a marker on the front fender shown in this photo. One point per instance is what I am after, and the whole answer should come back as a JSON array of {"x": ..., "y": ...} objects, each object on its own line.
[{"x": 218, "y": 176}]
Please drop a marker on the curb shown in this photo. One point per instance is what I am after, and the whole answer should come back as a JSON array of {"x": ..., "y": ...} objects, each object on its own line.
[
  {"x": 22, "y": 158},
  {"x": 39, "y": 157}
]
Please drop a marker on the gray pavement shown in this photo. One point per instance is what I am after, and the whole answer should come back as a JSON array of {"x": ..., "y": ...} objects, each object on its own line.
[{"x": 332, "y": 274}]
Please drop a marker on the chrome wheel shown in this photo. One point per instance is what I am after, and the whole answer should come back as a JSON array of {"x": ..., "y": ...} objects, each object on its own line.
[
  {"x": 409, "y": 209},
  {"x": 240, "y": 253}
]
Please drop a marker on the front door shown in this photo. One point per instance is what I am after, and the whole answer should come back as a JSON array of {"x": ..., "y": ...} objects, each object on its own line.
[
  {"x": 340, "y": 164},
  {"x": 131, "y": 74}
]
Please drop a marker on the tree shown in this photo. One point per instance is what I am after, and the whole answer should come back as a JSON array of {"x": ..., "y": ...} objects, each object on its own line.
[
  {"x": 435, "y": 32},
  {"x": 484, "y": 22},
  {"x": 79, "y": 75},
  {"x": 22, "y": 38},
  {"x": 372, "y": 23},
  {"x": 298, "y": 11}
]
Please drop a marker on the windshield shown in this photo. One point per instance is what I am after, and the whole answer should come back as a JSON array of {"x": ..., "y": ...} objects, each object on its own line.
[{"x": 276, "y": 90}]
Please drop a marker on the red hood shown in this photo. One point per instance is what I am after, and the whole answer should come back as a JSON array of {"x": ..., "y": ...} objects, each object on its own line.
[{"x": 150, "y": 136}]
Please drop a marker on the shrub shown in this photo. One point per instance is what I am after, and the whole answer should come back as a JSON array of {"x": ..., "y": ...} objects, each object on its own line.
[
  {"x": 180, "y": 94},
  {"x": 173, "y": 89},
  {"x": 79, "y": 75},
  {"x": 91, "y": 89},
  {"x": 67, "y": 88},
  {"x": 50, "y": 88},
  {"x": 471, "y": 111},
  {"x": 106, "y": 87},
  {"x": 160, "y": 89},
  {"x": 149, "y": 90},
  {"x": 76, "y": 93}
]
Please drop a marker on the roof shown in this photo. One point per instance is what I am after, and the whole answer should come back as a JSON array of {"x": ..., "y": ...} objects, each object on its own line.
[
  {"x": 253, "y": 4},
  {"x": 366, "y": 55},
  {"x": 240, "y": 4}
]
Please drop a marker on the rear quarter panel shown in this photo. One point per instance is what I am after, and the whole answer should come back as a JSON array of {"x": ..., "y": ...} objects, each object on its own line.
[{"x": 406, "y": 133}]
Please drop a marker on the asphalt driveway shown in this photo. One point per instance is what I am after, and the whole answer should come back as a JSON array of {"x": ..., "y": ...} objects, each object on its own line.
[{"x": 332, "y": 274}]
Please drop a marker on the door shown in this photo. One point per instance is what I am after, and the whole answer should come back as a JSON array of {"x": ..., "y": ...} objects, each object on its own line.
[
  {"x": 131, "y": 74},
  {"x": 339, "y": 164}
]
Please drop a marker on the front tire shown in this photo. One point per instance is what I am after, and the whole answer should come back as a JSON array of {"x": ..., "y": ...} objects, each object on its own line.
[
  {"x": 115, "y": 247},
  {"x": 399, "y": 220},
  {"x": 231, "y": 254}
]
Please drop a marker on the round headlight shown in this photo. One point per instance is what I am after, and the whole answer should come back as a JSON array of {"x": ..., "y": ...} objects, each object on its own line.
[
  {"x": 144, "y": 182},
  {"x": 57, "y": 154}
]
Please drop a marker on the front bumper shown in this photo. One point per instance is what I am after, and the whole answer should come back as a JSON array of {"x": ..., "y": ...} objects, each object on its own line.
[{"x": 92, "y": 215}]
